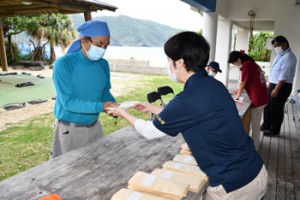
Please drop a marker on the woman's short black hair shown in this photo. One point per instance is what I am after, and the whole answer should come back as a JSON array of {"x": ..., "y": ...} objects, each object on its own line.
[
  {"x": 189, "y": 46},
  {"x": 234, "y": 55}
]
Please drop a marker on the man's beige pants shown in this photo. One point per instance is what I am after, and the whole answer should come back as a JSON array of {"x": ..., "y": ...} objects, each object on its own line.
[{"x": 254, "y": 190}]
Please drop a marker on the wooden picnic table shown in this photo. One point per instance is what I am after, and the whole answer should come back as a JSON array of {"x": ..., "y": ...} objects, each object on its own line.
[{"x": 98, "y": 170}]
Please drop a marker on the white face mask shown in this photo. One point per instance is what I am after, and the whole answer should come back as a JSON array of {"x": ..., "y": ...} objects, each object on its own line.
[
  {"x": 239, "y": 66},
  {"x": 278, "y": 49},
  {"x": 211, "y": 73},
  {"x": 171, "y": 75},
  {"x": 95, "y": 53}
]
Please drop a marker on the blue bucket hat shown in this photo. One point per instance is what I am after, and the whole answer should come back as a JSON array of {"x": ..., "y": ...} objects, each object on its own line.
[
  {"x": 215, "y": 66},
  {"x": 91, "y": 28}
]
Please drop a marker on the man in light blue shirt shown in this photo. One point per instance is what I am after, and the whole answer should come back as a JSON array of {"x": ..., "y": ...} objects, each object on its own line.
[
  {"x": 280, "y": 85},
  {"x": 82, "y": 83}
]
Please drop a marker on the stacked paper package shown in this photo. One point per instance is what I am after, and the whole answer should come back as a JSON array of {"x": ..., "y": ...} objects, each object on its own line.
[
  {"x": 172, "y": 182},
  {"x": 187, "y": 159},
  {"x": 127, "y": 194},
  {"x": 195, "y": 183},
  {"x": 156, "y": 185},
  {"x": 184, "y": 168},
  {"x": 185, "y": 150}
]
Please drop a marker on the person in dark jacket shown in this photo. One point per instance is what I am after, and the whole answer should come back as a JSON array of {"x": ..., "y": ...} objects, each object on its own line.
[{"x": 206, "y": 116}]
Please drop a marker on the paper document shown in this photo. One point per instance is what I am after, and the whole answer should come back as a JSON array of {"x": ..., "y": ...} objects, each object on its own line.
[
  {"x": 239, "y": 100},
  {"x": 128, "y": 104}
]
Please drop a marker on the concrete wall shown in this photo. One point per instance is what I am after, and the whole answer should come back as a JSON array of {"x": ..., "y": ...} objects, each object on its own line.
[
  {"x": 135, "y": 66},
  {"x": 242, "y": 40},
  {"x": 288, "y": 24},
  {"x": 264, "y": 9},
  {"x": 222, "y": 8}
]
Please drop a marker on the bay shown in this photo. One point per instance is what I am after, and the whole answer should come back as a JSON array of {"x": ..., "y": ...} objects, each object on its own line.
[{"x": 155, "y": 55}]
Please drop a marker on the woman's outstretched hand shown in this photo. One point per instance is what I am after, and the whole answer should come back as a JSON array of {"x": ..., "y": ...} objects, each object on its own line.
[{"x": 143, "y": 107}]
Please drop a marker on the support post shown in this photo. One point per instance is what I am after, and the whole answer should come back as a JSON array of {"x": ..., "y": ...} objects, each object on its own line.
[
  {"x": 2, "y": 49},
  {"x": 210, "y": 21},
  {"x": 87, "y": 16}
]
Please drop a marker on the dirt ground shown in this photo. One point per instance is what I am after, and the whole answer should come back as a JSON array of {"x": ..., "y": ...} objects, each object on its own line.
[{"x": 8, "y": 118}]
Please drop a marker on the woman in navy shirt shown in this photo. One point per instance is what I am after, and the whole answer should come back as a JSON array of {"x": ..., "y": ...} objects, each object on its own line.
[{"x": 207, "y": 117}]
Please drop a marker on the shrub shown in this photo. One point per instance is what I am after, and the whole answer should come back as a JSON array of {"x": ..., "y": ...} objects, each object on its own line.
[{"x": 257, "y": 47}]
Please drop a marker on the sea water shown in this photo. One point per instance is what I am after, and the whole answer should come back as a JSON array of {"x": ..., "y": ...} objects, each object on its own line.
[{"x": 155, "y": 55}]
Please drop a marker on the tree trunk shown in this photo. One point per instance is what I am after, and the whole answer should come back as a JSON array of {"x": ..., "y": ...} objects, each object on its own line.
[
  {"x": 10, "y": 49},
  {"x": 52, "y": 53},
  {"x": 38, "y": 52},
  {"x": 36, "y": 56}
]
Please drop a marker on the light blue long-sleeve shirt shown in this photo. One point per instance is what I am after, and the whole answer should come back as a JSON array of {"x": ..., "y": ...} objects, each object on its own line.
[
  {"x": 82, "y": 86},
  {"x": 284, "y": 67}
]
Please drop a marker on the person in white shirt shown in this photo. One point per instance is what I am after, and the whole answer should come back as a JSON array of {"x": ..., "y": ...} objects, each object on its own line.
[{"x": 280, "y": 85}]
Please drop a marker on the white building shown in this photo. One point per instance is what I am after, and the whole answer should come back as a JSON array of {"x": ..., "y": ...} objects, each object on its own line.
[{"x": 279, "y": 16}]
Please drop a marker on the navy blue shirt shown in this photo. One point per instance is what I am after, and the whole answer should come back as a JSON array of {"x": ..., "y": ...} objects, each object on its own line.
[{"x": 206, "y": 115}]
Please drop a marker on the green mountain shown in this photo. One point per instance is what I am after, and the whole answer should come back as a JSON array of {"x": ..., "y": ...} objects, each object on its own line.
[{"x": 127, "y": 31}]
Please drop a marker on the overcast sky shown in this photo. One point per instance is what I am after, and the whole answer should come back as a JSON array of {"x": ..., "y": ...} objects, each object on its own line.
[{"x": 174, "y": 13}]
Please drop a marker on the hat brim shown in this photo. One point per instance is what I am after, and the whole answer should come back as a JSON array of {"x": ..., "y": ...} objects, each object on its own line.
[{"x": 218, "y": 69}]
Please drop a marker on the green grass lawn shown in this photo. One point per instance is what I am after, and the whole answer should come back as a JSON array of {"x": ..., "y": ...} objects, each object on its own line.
[{"x": 28, "y": 144}]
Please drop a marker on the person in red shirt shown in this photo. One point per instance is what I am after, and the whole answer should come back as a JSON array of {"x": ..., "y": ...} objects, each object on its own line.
[{"x": 254, "y": 82}]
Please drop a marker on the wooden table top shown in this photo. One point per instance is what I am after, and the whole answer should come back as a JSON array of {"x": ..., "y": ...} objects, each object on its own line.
[
  {"x": 96, "y": 171},
  {"x": 243, "y": 107}
]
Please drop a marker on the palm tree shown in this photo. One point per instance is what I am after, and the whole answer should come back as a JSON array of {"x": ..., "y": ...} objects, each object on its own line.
[
  {"x": 66, "y": 37},
  {"x": 58, "y": 29},
  {"x": 36, "y": 30},
  {"x": 60, "y": 32}
]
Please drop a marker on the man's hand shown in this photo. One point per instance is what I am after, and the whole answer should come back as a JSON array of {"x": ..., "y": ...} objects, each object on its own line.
[
  {"x": 116, "y": 111},
  {"x": 274, "y": 93},
  {"x": 109, "y": 104}
]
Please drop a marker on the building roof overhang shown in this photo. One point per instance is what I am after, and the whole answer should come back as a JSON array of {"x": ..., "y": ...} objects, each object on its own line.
[{"x": 11, "y": 8}]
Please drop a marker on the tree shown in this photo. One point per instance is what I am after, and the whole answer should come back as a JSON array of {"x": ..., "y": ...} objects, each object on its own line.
[
  {"x": 60, "y": 32},
  {"x": 36, "y": 31},
  {"x": 13, "y": 26},
  {"x": 56, "y": 28},
  {"x": 257, "y": 46}
]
